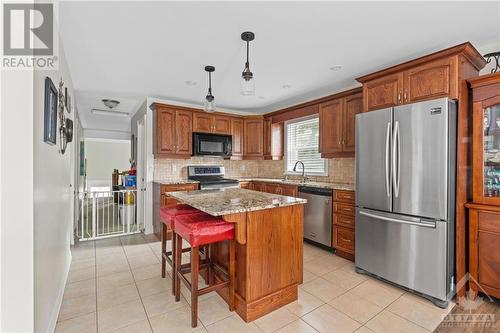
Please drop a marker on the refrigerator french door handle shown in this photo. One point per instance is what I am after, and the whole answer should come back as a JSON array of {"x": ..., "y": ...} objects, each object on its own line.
[
  {"x": 387, "y": 156},
  {"x": 396, "y": 164},
  {"x": 417, "y": 222}
]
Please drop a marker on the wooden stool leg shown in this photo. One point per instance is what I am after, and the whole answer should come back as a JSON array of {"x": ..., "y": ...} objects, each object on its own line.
[
  {"x": 163, "y": 248},
  {"x": 206, "y": 251},
  {"x": 174, "y": 262},
  {"x": 210, "y": 273},
  {"x": 195, "y": 257},
  {"x": 178, "y": 260},
  {"x": 232, "y": 275}
]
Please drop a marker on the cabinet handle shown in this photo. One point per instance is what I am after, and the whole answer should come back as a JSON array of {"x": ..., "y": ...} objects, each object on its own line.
[
  {"x": 405, "y": 97},
  {"x": 345, "y": 240},
  {"x": 399, "y": 97}
]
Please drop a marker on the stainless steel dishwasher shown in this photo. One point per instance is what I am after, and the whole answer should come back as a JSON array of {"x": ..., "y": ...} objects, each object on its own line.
[{"x": 317, "y": 214}]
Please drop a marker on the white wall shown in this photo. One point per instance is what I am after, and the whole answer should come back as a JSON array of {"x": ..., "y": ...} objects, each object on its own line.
[
  {"x": 102, "y": 157},
  {"x": 53, "y": 202},
  {"x": 16, "y": 202}
]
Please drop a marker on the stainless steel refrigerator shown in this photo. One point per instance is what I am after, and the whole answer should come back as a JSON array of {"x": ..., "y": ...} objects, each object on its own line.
[{"x": 405, "y": 196}]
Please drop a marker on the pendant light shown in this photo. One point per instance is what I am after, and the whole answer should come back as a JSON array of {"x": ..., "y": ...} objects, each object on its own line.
[
  {"x": 247, "y": 82},
  {"x": 209, "y": 103}
]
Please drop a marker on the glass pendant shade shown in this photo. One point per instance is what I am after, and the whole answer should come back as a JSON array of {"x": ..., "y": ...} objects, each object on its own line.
[
  {"x": 247, "y": 87},
  {"x": 209, "y": 106}
]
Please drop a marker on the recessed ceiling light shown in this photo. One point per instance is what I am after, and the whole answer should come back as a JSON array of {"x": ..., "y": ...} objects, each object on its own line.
[
  {"x": 191, "y": 83},
  {"x": 336, "y": 68},
  {"x": 286, "y": 86},
  {"x": 261, "y": 97}
]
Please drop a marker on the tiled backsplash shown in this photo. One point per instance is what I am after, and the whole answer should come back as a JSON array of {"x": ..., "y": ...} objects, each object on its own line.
[{"x": 340, "y": 170}]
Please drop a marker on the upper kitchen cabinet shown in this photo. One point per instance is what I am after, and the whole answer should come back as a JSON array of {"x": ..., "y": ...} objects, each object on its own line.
[
  {"x": 211, "y": 123},
  {"x": 432, "y": 76},
  {"x": 273, "y": 140},
  {"x": 337, "y": 119},
  {"x": 253, "y": 142},
  {"x": 173, "y": 135},
  {"x": 237, "y": 134}
]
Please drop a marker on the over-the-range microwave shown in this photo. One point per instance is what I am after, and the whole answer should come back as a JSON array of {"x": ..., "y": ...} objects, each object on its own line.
[{"x": 205, "y": 144}]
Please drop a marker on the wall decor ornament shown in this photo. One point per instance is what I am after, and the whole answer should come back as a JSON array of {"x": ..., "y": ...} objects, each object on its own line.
[
  {"x": 63, "y": 131},
  {"x": 50, "y": 112}
]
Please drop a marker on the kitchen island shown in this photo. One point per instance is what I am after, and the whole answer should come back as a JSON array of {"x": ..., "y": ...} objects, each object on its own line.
[{"x": 269, "y": 235}]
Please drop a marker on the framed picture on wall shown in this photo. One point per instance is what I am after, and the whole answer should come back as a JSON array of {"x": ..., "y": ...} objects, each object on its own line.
[{"x": 50, "y": 112}]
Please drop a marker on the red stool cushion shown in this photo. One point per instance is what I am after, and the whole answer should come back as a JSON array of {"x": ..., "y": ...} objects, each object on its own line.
[
  {"x": 200, "y": 230},
  {"x": 168, "y": 214}
]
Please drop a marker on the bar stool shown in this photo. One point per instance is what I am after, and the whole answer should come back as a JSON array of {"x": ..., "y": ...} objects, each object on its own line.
[
  {"x": 202, "y": 231},
  {"x": 167, "y": 216}
]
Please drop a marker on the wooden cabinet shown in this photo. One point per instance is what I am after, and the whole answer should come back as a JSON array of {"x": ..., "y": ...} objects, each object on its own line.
[
  {"x": 433, "y": 76},
  {"x": 484, "y": 211},
  {"x": 344, "y": 223},
  {"x": 337, "y": 120},
  {"x": 273, "y": 140},
  {"x": 253, "y": 142},
  {"x": 237, "y": 134},
  {"x": 275, "y": 188},
  {"x": 484, "y": 249},
  {"x": 161, "y": 199},
  {"x": 173, "y": 132},
  {"x": 211, "y": 123},
  {"x": 245, "y": 185}
]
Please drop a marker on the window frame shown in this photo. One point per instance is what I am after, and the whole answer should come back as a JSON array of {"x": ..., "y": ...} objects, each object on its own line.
[{"x": 285, "y": 146}]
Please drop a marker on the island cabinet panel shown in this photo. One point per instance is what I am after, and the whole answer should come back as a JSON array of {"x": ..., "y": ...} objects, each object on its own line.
[
  {"x": 343, "y": 237},
  {"x": 172, "y": 132},
  {"x": 237, "y": 134},
  {"x": 253, "y": 143},
  {"x": 269, "y": 267}
]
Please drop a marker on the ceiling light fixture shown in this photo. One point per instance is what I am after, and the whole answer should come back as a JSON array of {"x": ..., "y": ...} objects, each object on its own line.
[
  {"x": 286, "y": 86},
  {"x": 110, "y": 103},
  {"x": 336, "y": 68},
  {"x": 248, "y": 82},
  {"x": 209, "y": 103}
]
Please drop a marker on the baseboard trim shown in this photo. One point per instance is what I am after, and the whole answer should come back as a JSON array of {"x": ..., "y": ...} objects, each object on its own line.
[{"x": 57, "y": 308}]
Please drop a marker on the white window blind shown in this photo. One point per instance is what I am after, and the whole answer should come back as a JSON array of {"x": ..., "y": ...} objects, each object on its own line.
[{"x": 302, "y": 144}]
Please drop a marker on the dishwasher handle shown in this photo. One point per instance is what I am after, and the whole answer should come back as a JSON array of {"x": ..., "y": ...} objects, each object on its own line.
[{"x": 316, "y": 191}]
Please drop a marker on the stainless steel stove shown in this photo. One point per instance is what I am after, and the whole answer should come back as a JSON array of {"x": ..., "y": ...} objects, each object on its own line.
[{"x": 211, "y": 177}]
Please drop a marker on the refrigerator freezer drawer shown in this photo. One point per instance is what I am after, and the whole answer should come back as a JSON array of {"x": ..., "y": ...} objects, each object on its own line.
[{"x": 403, "y": 250}]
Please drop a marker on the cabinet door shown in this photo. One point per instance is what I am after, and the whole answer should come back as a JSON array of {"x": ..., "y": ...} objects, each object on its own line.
[
  {"x": 343, "y": 239},
  {"x": 237, "y": 134},
  {"x": 273, "y": 188},
  {"x": 221, "y": 125},
  {"x": 183, "y": 133},
  {"x": 267, "y": 138},
  {"x": 256, "y": 186},
  {"x": 353, "y": 106},
  {"x": 383, "y": 93},
  {"x": 289, "y": 190},
  {"x": 330, "y": 131},
  {"x": 277, "y": 141},
  {"x": 429, "y": 81},
  {"x": 253, "y": 142},
  {"x": 165, "y": 131},
  {"x": 202, "y": 122}
]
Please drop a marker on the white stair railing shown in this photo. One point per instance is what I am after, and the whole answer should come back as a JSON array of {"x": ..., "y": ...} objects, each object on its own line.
[{"x": 107, "y": 214}]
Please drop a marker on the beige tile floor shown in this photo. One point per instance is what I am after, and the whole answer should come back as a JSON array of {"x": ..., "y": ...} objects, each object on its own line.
[{"x": 114, "y": 285}]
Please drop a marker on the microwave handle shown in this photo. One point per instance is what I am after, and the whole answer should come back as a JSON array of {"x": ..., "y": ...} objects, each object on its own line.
[{"x": 229, "y": 149}]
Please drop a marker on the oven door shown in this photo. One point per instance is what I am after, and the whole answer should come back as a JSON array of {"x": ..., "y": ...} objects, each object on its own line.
[{"x": 212, "y": 145}]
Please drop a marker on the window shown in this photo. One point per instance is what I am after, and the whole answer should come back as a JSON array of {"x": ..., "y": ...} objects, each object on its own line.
[{"x": 302, "y": 144}]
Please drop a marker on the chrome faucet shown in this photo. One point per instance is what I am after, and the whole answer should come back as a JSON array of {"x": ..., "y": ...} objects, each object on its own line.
[{"x": 303, "y": 170}]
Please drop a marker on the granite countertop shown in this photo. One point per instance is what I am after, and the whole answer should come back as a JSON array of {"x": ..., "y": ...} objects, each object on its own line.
[
  {"x": 333, "y": 186},
  {"x": 176, "y": 181},
  {"x": 233, "y": 200}
]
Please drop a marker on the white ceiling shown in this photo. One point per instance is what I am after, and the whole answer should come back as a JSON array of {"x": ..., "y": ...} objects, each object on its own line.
[{"x": 130, "y": 50}]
